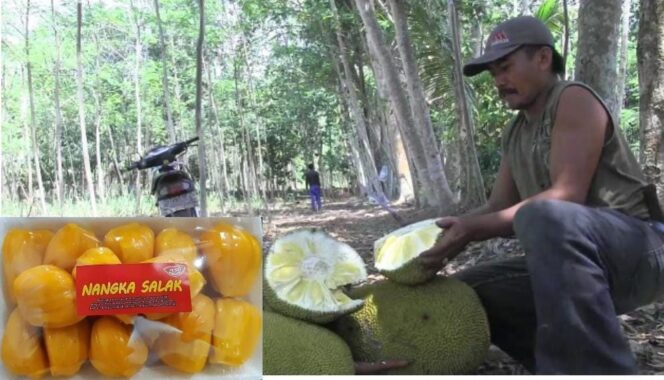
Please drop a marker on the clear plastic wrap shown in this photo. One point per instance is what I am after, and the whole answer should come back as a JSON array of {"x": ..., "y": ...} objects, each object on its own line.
[{"x": 44, "y": 335}]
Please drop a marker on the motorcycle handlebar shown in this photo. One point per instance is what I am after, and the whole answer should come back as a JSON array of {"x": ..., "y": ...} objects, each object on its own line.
[{"x": 168, "y": 154}]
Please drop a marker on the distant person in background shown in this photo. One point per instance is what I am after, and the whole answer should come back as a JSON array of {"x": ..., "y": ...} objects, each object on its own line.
[{"x": 312, "y": 179}]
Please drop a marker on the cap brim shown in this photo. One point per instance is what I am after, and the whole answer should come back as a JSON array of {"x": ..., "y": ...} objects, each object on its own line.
[{"x": 481, "y": 63}]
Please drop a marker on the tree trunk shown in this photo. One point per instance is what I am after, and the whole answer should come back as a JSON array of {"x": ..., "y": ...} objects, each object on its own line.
[
  {"x": 176, "y": 84},
  {"x": 81, "y": 111},
  {"x": 650, "y": 49},
  {"x": 33, "y": 120},
  {"x": 224, "y": 188},
  {"x": 366, "y": 153},
  {"x": 59, "y": 178},
  {"x": 27, "y": 139},
  {"x": 622, "y": 67},
  {"x": 164, "y": 61},
  {"x": 597, "y": 48},
  {"x": 137, "y": 100},
  {"x": 98, "y": 120},
  {"x": 202, "y": 164},
  {"x": 566, "y": 38},
  {"x": 422, "y": 143},
  {"x": 116, "y": 165},
  {"x": 473, "y": 185}
]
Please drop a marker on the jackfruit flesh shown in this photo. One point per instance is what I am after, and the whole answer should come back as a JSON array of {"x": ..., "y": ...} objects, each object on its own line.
[
  {"x": 46, "y": 295},
  {"x": 114, "y": 350},
  {"x": 439, "y": 327},
  {"x": 172, "y": 241},
  {"x": 21, "y": 250},
  {"x": 395, "y": 255},
  {"x": 132, "y": 242},
  {"x": 67, "y": 347},
  {"x": 68, "y": 243},
  {"x": 294, "y": 347},
  {"x": 187, "y": 350},
  {"x": 22, "y": 349},
  {"x": 233, "y": 258},
  {"x": 305, "y": 271},
  {"x": 236, "y": 332},
  {"x": 96, "y": 256}
]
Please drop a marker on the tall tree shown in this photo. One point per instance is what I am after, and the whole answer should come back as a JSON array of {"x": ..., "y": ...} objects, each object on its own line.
[
  {"x": 622, "y": 62},
  {"x": 473, "y": 184},
  {"x": 199, "y": 99},
  {"x": 164, "y": 62},
  {"x": 138, "y": 47},
  {"x": 59, "y": 126},
  {"x": 81, "y": 110},
  {"x": 422, "y": 144},
  {"x": 597, "y": 48},
  {"x": 650, "y": 50}
]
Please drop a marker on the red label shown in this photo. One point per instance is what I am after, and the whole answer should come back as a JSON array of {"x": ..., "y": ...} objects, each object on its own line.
[{"x": 132, "y": 288}]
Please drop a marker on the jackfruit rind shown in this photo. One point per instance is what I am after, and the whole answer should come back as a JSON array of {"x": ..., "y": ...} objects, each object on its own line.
[
  {"x": 68, "y": 243},
  {"x": 304, "y": 273},
  {"x": 67, "y": 347},
  {"x": 21, "y": 250},
  {"x": 22, "y": 349},
  {"x": 440, "y": 327},
  {"x": 113, "y": 349},
  {"x": 396, "y": 254},
  {"x": 46, "y": 296},
  {"x": 295, "y": 347}
]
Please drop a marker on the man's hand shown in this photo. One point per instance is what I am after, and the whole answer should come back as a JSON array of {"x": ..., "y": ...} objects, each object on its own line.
[{"x": 458, "y": 233}]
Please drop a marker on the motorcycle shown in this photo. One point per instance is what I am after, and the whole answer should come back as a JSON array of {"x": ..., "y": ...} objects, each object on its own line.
[{"x": 172, "y": 185}]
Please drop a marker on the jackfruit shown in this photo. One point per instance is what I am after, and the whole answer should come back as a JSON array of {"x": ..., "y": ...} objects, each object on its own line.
[
  {"x": 237, "y": 327},
  {"x": 21, "y": 250},
  {"x": 440, "y": 327},
  {"x": 294, "y": 347},
  {"x": 96, "y": 256},
  {"x": 114, "y": 350},
  {"x": 172, "y": 241},
  {"x": 188, "y": 350},
  {"x": 46, "y": 295},
  {"x": 68, "y": 243},
  {"x": 233, "y": 259},
  {"x": 396, "y": 254},
  {"x": 67, "y": 347},
  {"x": 304, "y": 273},
  {"x": 22, "y": 349},
  {"x": 132, "y": 242}
]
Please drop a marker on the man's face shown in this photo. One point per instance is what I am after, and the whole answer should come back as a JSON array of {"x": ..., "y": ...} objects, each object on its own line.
[{"x": 519, "y": 77}]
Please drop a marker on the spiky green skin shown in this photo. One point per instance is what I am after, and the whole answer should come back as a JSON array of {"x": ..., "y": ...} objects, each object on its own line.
[
  {"x": 440, "y": 327},
  {"x": 294, "y": 311},
  {"x": 293, "y": 347},
  {"x": 413, "y": 273}
]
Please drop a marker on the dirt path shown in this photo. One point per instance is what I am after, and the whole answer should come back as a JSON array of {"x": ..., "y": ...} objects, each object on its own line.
[{"x": 359, "y": 224}]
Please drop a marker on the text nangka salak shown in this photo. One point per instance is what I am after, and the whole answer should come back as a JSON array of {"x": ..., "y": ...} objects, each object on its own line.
[{"x": 129, "y": 287}]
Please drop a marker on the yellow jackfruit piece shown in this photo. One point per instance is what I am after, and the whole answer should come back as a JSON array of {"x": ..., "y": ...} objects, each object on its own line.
[
  {"x": 196, "y": 279},
  {"x": 22, "y": 350},
  {"x": 236, "y": 331},
  {"x": 96, "y": 256},
  {"x": 46, "y": 295},
  {"x": 114, "y": 350},
  {"x": 132, "y": 242},
  {"x": 67, "y": 347},
  {"x": 21, "y": 250},
  {"x": 188, "y": 350},
  {"x": 172, "y": 241},
  {"x": 68, "y": 243},
  {"x": 233, "y": 259}
]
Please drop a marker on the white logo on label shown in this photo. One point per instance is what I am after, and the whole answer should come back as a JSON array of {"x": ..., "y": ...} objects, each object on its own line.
[{"x": 175, "y": 270}]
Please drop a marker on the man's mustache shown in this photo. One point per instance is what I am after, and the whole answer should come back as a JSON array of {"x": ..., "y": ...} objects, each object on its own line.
[{"x": 506, "y": 91}]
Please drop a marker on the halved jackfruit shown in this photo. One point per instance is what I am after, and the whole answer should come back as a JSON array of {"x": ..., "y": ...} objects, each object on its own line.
[
  {"x": 236, "y": 331},
  {"x": 67, "y": 347},
  {"x": 114, "y": 350},
  {"x": 46, "y": 296},
  {"x": 68, "y": 243},
  {"x": 305, "y": 271},
  {"x": 132, "y": 242},
  {"x": 396, "y": 254},
  {"x": 22, "y": 349},
  {"x": 21, "y": 250},
  {"x": 233, "y": 259}
]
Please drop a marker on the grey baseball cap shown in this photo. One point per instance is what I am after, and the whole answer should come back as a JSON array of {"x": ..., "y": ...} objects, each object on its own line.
[{"x": 510, "y": 35}]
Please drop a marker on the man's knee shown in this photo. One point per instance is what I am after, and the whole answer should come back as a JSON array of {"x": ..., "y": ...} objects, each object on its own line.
[{"x": 543, "y": 221}]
